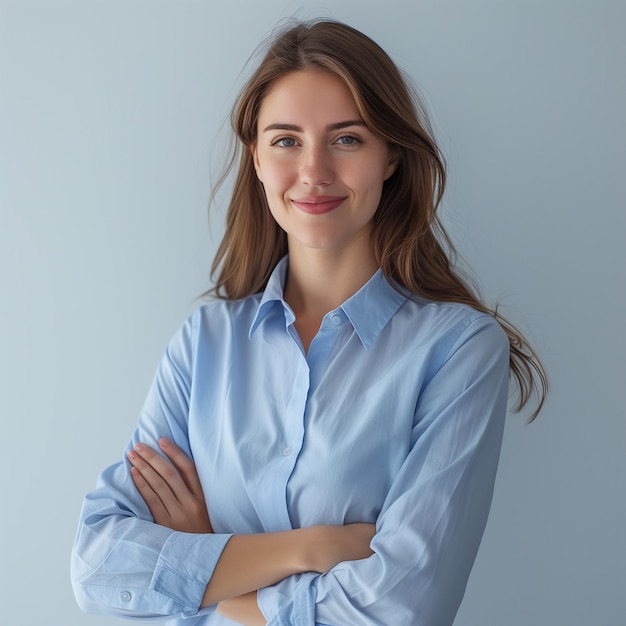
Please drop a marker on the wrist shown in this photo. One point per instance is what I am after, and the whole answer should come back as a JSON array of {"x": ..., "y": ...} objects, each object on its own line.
[
  {"x": 312, "y": 548},
  {"x": 252, "y": 561}
]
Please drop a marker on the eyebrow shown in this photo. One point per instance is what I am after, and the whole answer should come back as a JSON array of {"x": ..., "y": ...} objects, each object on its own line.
[{"x": 298, "y": 129}]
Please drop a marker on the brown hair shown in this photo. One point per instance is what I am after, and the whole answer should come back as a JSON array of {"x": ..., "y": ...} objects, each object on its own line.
[{"x": 410, "y": 243}]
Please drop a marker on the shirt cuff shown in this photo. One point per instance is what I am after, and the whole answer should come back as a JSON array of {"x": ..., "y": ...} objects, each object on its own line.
[{"x": 185, "y": 566}]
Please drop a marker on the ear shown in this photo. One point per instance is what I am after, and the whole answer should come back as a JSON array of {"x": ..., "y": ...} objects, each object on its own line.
[
  {"x": 392, "y": 164},
  {"x": 255, "y": 160}
]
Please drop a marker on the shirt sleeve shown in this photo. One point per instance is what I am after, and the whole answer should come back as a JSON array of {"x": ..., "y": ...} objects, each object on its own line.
[
  {"x": 432, "y": 521},
  {"x": 123, "y": 563}
]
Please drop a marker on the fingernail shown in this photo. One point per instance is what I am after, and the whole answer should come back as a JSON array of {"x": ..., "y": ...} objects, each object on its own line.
[
  {"x": 139, "y": 447},
  {"x": 163, "y": 442}
]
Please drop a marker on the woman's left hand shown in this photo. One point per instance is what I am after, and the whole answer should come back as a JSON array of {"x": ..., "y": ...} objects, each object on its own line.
[{"x": 171, "y": 489}]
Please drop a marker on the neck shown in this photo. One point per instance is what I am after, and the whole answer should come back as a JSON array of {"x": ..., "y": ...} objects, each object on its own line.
[{"x": 319, "y": 281}]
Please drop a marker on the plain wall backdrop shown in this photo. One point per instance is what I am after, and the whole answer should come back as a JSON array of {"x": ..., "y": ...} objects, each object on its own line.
[{"x": 111, "y": 114}]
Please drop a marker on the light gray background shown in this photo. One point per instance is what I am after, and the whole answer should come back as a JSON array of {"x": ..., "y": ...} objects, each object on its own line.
[{"x": 110, "y": 117}]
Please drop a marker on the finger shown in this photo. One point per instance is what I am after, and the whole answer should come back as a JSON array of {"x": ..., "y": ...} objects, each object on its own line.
[
  {"x": 155, "y": 481},
  {"x": 152, "y": 500},
  {"x": 185, "y": 466},
  {"x": 165, "y": 471},
  {"x": 195, "y": 503}
]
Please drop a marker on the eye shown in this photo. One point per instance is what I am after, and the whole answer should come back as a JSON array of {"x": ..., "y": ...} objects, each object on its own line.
[
  {"x": 284, "y": 142},
  {"x": 348, "y": 140}
]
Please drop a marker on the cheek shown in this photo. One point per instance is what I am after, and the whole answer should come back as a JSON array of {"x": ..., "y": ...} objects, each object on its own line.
[
  {"x": 369, "y": 181},
  {"x": 366, "y": 174},
  {"x": 277, "y": 179}
]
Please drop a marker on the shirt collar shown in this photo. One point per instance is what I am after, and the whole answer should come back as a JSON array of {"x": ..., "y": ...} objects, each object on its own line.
[
  {"x": 273, "y": 295},
  {"x": 369, "y": 309}
]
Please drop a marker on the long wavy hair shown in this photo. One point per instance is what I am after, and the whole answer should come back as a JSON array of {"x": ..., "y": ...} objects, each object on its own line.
[{"x": 410, "y": 244}]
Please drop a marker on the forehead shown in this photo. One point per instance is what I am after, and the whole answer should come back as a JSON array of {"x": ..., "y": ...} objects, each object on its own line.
[{"x": 308, "y": 94}]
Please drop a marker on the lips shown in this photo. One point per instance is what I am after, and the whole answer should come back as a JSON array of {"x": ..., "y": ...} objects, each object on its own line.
[{"x": 318, "y": 205}]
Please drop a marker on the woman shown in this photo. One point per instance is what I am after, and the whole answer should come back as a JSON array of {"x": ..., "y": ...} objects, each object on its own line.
[{"x": 342, "y": 400}]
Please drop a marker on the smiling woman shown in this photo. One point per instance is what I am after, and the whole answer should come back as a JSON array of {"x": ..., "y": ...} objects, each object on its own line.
[
  {"x": 319, "y": 445},
  {"x": 316, "y": 157}
]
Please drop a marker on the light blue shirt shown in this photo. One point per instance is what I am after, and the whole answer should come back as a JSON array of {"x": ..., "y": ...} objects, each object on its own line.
[{"x": 394, "y": 416}]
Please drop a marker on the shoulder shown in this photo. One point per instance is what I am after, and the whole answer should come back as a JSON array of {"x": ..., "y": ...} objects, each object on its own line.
[
  {"x": 225, "y": 316},
  {"x": 443, "y": 328},
  {"x": 443, "y": 317},
  {"x": 227, "y": 311},
  {"x": 217, "y": 319}
]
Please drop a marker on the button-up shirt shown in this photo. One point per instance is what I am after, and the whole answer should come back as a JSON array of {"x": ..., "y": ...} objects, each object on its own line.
[{"x": 393, "y": 416}]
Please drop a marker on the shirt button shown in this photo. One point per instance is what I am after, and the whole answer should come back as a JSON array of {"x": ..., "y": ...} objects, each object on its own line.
[
  {"x": 336, "y": 320},
  {"x": 126, "y": 596},
  {"x": 286, "y": 451}
]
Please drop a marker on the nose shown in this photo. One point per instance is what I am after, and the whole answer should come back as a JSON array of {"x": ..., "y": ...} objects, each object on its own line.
[{"x": 316, "y": 167}]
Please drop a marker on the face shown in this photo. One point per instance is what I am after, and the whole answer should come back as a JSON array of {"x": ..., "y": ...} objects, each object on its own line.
[{"x": 321, "y": 167}]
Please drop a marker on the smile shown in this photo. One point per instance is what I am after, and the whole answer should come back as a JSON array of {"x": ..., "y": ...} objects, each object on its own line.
[{"x": 318, "y": 205}]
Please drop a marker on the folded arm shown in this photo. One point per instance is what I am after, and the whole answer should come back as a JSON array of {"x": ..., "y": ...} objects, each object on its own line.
[{"x": 431, "y": 523}]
